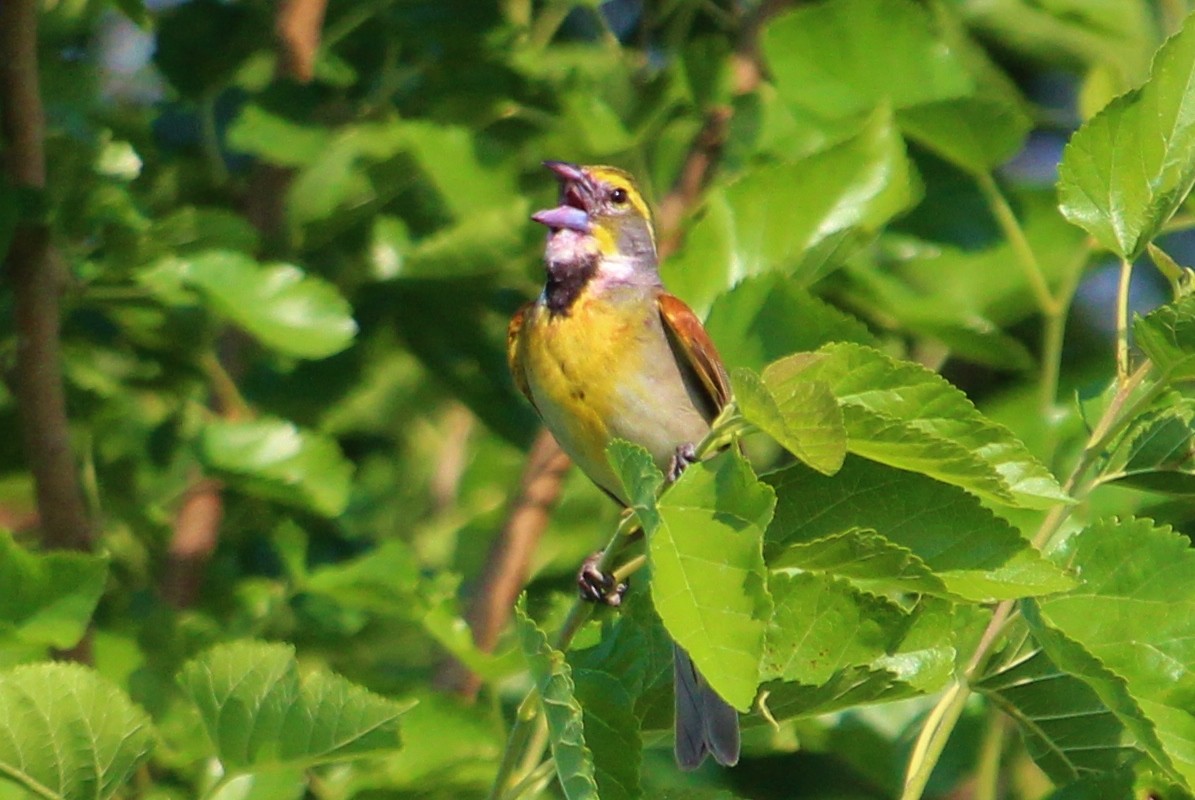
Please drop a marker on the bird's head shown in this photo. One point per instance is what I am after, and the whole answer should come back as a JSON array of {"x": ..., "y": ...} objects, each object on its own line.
[{"x": 601, "y": 214}]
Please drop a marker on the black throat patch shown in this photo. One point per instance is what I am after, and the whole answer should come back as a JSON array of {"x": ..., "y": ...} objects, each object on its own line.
[{"x": 564, "y": 285}]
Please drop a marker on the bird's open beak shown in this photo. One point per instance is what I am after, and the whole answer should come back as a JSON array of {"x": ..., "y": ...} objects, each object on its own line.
[{"x": 573, "y": 211}]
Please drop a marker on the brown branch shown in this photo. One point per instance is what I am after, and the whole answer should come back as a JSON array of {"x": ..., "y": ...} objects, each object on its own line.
[
  {"x": 196, "y": 529},
  {"x": 694, "y": 176},
  {"x": 297, "y": 27},
  {"x": 37, "y": 277}
]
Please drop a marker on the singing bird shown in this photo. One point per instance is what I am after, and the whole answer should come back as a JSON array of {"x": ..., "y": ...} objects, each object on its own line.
[{"x": 606, "y": 353}]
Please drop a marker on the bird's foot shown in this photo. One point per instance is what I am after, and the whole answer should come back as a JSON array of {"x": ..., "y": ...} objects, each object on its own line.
[
  {"x": 685, "y": 455},
  {"x": 597, "y": 586}
]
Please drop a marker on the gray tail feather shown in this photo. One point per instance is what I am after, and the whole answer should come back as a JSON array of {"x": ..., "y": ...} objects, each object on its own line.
[{"x": 705, "y": 723}]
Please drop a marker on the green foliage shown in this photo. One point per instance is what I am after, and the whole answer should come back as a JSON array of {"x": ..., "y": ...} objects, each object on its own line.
[
  {"x": 48, "y": 598},
  {"x": 566, "y": 732},
  {"x": 67, "y": 733},
  {"x": 1123, "y": 202},
  {"x": 260, "y": 712},
  {"x": 283, "y": 327}
]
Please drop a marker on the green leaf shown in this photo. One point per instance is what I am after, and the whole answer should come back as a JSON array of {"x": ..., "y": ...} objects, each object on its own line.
[
  {"x": 803, "y": 416},
  {"x": 707, "y": 573},
  {"x": 389, "y": 581},
  {"x": 48, "y": 598},
  {"x": 1157, "y": 453},
  {"x": 275, "y": 138},
  {"x": 637, "y": 652},
  {"x": 975, "y": 133},
  {"x": 1135, "y": 613},
  {"x": 904, "y": 415},
  {"x": 1073, "y": 33},
  {"x": 566, "y": 727},
  {"x": 467, "y": 184},
  {"x": 920, "y": 662},
  {"x": 865, "y": 557},
  {"x": 259, "y": 712},
  {"x": 975, "y": 554},
  {"x": 274, "y": 458},
  {"x": 1167, "y": 335},
  {"x": 708, "y": 579},
  {"x": 769, "y": 316},
  {"x": 1126, "y": 171},
  {"x": 285, "y": 309},
  {"x": 848, "y": 56},
  {"x": 611, "y": 733},
  {"x": 1071, "y": 729},
  {"x": 793, "y": 216},
  {"x": 67, "y": 734},
  {"x": 822, "y": 624}
]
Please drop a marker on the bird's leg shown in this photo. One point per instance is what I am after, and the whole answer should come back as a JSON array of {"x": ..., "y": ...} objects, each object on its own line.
[
  {"x": 685, "y": 455},
  {"x": 597, "y": 586},
  {"x": 602, "y": 587}
]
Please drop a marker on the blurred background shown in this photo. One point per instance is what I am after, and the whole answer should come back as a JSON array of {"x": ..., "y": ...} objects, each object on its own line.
[{"x": 295, "y": 234}]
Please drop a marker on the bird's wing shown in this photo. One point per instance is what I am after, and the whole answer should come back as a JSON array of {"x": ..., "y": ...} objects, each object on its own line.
[
  {"x": 695, "y": 350},
  {"x": 512, "y": 352}
]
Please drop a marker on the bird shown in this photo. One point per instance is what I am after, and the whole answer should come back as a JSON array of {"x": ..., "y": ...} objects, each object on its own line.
[{"x": 605, "y": 353}]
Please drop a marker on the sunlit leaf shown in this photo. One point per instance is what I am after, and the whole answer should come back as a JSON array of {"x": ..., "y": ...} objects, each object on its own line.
[
  {"x": 275, "y": 458},
  {"x": 67, "y": 734},
  {"x": 704, "y": 546},
  {"x": 260, "y": 711},
  {"x": 566, "y": 728},
  {"x": 904, "y": 415},
  {"x": 975, "y": 554},
  {"x": 48, "y": 598},
  {"x": 793, "y": 216},
  {"x": 1133, "y": 612},
  {"x": 848, "y": 56},
  {"x": 1167, "y": 335},
  {"x": 821, "y": 624},
  {"x": 285, "y": 309},
  {"x": 1128, "y": 169},
  {"x": 803, "y": 416}
]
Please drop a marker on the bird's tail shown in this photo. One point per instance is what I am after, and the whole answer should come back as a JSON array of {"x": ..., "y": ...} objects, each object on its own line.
[{"x": 705, "y": 723}]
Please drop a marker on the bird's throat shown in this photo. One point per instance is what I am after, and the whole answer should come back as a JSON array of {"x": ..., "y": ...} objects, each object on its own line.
[{"x": 566, "y": 281}]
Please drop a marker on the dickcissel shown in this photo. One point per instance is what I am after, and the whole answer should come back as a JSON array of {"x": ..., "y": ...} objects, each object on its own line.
[{"x": 606, "y": 353}]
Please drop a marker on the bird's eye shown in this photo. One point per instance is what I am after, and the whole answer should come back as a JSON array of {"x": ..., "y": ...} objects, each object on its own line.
[{"x": 618, "y": 196}]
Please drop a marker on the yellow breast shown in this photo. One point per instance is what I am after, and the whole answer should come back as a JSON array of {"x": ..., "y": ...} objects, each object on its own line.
[{"x": 577, "y": 366}]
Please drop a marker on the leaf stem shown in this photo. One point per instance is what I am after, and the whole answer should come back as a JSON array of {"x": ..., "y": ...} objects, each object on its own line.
[
  {"x": 1122, "y": 320},
  {"x": 533, "y": 782},
  {"x": 520, "y": 734},
  {"x": 1026, "y": 258},
  {"x": 935, "y": 733},
  {"x": 987, "y": 772}
]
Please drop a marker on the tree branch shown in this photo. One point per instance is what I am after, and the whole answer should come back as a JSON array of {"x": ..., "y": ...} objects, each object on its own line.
[
  {"x": 196, "y": 531},
  {"x": 298, "y": 26},
  {"x": 37, "y": 277}
]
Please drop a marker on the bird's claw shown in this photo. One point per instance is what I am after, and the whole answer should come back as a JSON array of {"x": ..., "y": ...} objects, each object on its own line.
[
  {"x": 597, "y": 586},
  {"x": 685, "y": 455}
]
